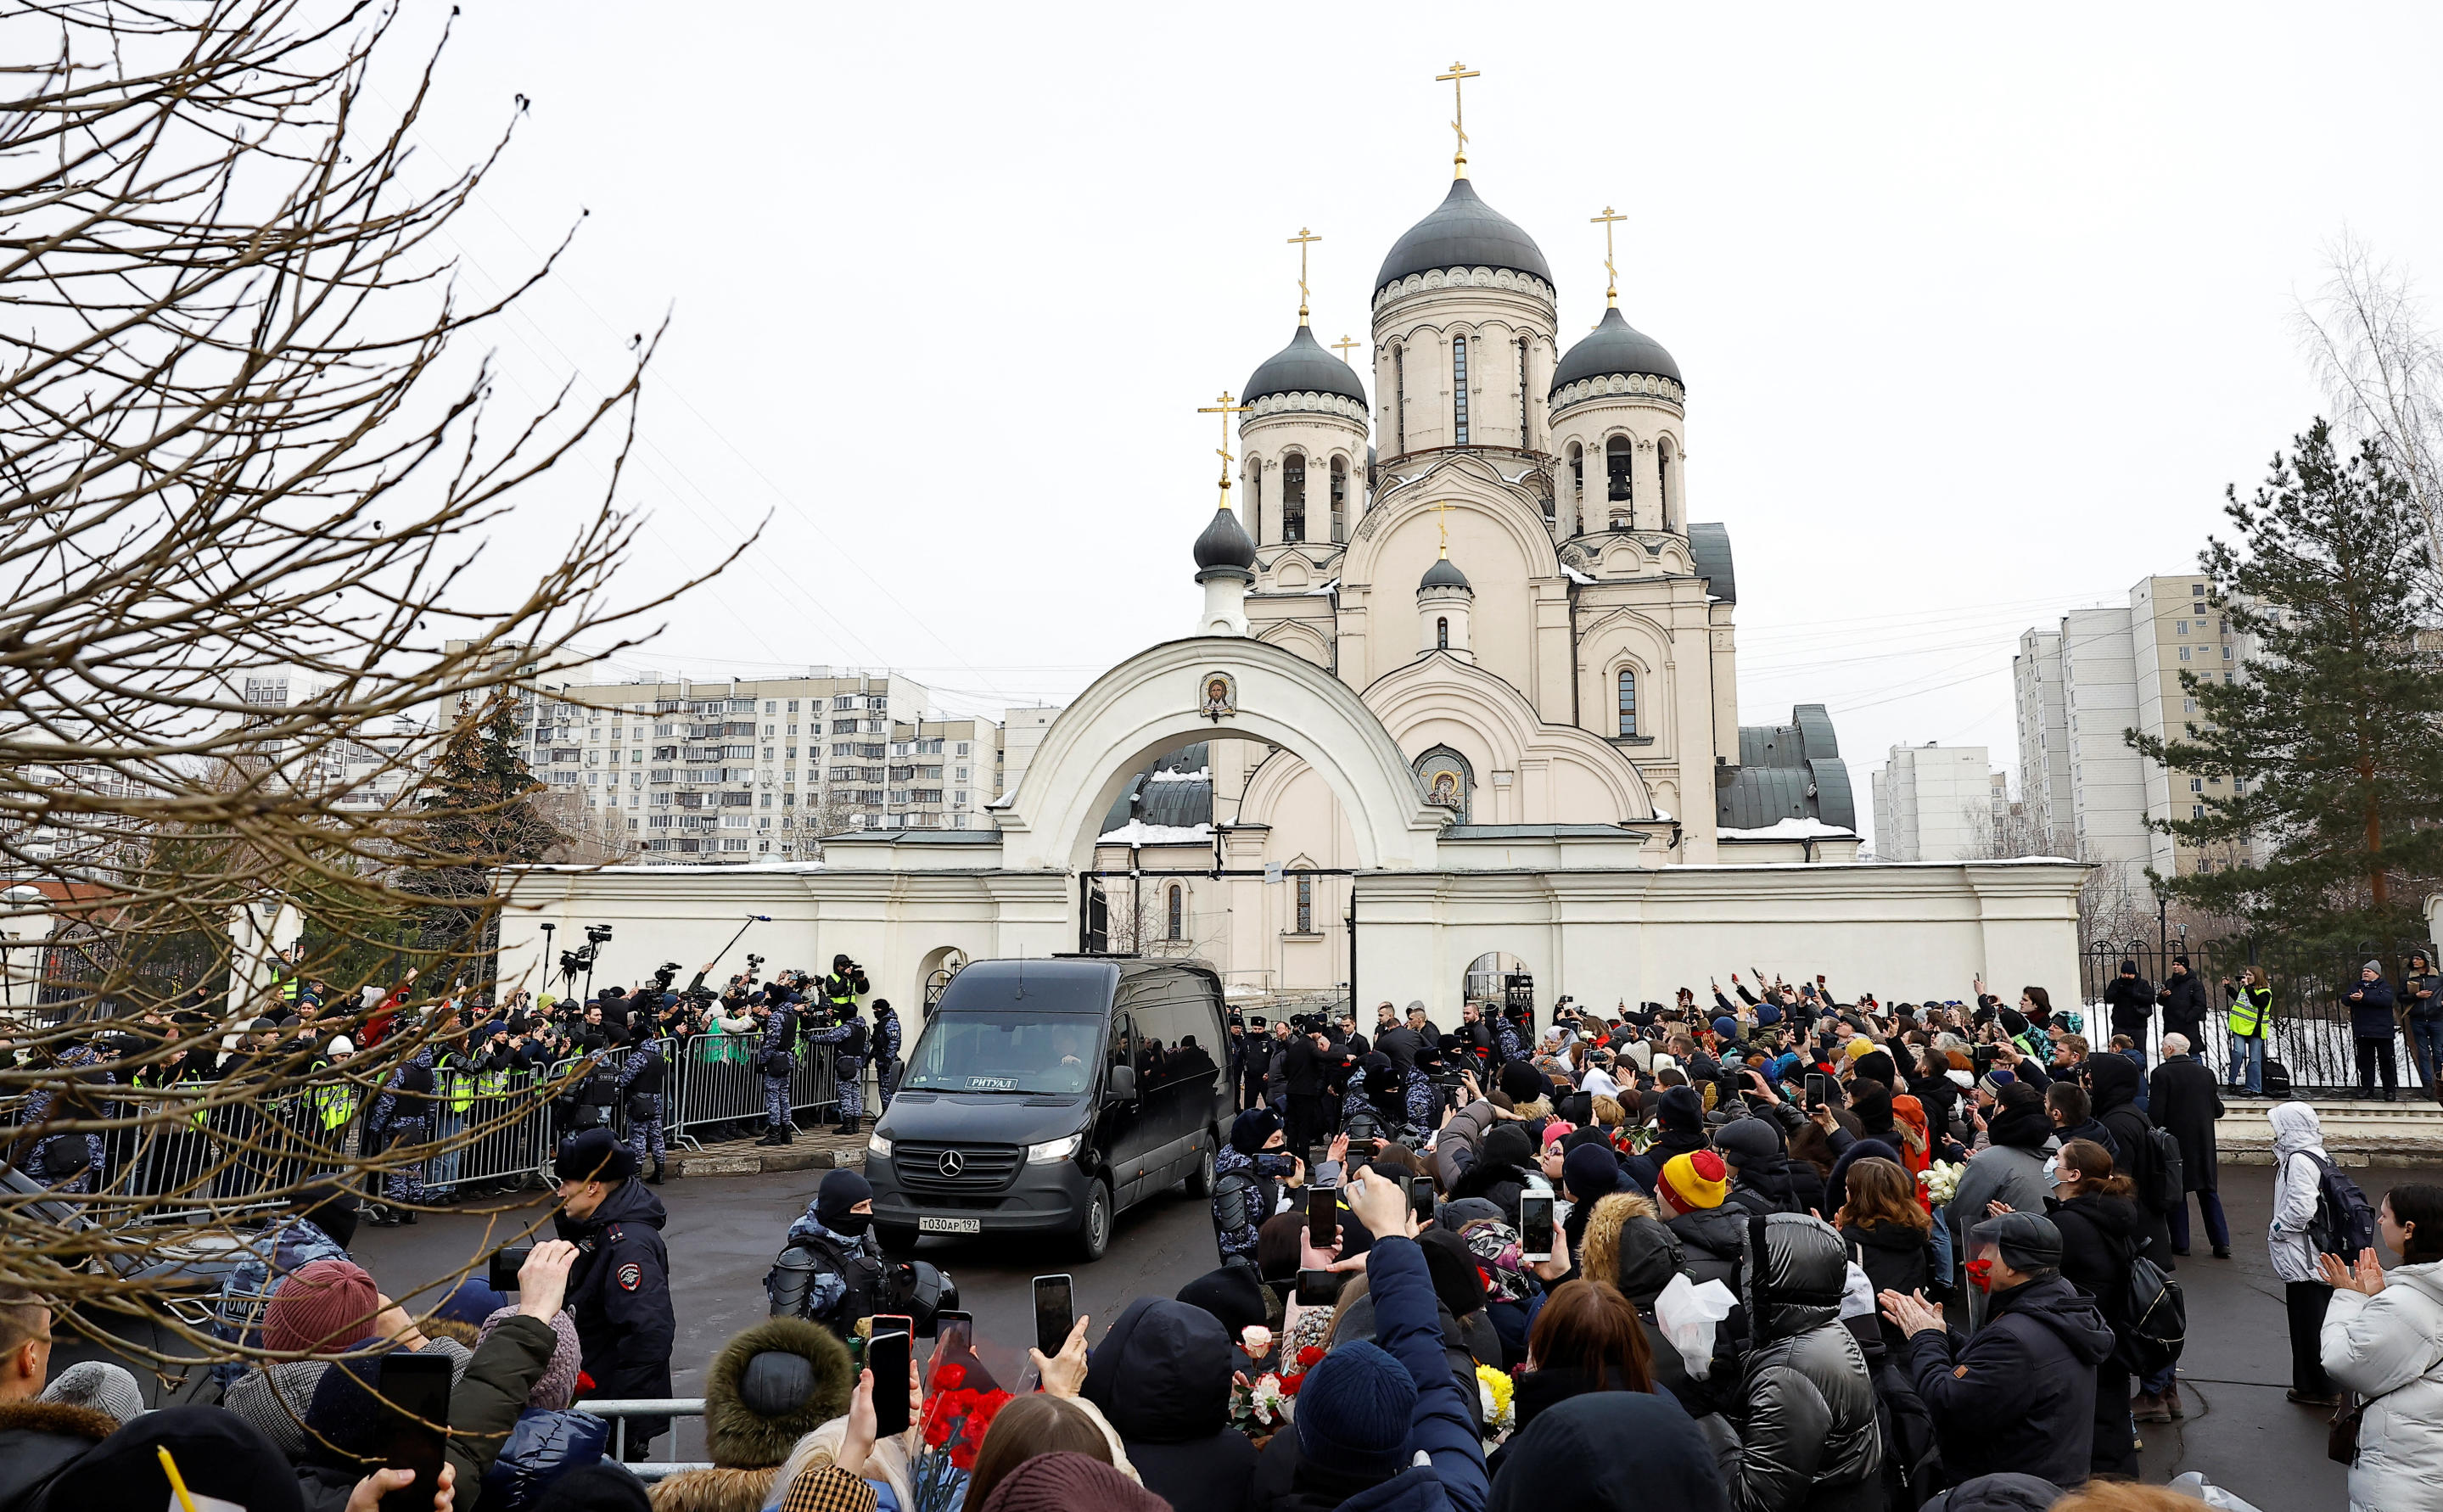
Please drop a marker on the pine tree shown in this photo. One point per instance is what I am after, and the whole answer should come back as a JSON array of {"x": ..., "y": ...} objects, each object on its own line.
[
  {"x": 477, "y": 813},
  {"x": 2325, "y": 747}
]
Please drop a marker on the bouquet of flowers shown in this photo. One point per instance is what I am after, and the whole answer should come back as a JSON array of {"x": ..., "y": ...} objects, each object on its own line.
[
  {"x": 1258, "y": 1407},
  {"x": 1941, "y": 1180},
  {"x": 956, "y": 1419},
  {"x": 1494, "y": 1390}
]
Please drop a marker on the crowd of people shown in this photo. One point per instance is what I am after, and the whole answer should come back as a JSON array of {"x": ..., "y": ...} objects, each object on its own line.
[{"x": 1771, "y": 1252}]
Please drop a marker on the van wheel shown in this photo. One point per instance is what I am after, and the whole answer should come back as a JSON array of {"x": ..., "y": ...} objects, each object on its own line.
[
  {"x": 897, "y": 1240},
  {"x": 1094, "y": 1230},
  {"x": 1200, "y": 1183}
]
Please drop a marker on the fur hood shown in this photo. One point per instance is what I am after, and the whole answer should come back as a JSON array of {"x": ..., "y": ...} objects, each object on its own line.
[
  {"x": 737, "y": 1436},
  {"x": 1532, "y": 1109},
  {"x": 715, "y": 1488},
  {"x": 1601, "y": 1260},
  {"x": 62, "y": 1418}
]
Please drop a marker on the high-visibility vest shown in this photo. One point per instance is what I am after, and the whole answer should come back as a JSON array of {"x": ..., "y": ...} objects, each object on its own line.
[
  {"x": 2249, "y": 1011},
  {"x": 336, "y": 1104}
]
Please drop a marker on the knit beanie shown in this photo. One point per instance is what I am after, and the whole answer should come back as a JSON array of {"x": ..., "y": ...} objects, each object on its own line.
[
  {"x": 1856, "y": 1048},
  {"x": 1233, "y": 1294},
  {"x": 1070, "y": 1482},
  {"x": 1522, "y": 1082},
  {"x": 1354, "y": 1411},
  {"x": 1249, "y": 1131},
  {"x": 99, "y": 1385},
  {"x": 473, "y": 1301},
  {"x": 1508, "y": 1145},
  {"x": 1726, "y": 1027},
  {"x": 842, "y": 1190},
  {"x": 1591, "y": 1172},
  {"x": 2377, "y": 966},
  {"x": 556, "y": 1387},
  {"x": 1697, "y": 1179},
  {"x": 326, "y": 1305},
  {"x": 1682, "y": 1110}
]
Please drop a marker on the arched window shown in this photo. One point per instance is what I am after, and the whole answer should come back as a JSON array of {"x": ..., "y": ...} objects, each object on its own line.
[
  {"x": 1616, "y": 464},
  {"x": 1522, "y": 393},
  {"x": 1255, "y": 498},
  {"x": 1178, "y": 911},
  {"x": 1441, "y": 634},
  {"x": 1458, "y": 391},
  {"x": 1628, "y": 702},
  {"x": 1663, "y": 493},
  {"x": 1339, "y": 498},
  {"x": 1306, "y": 905},
  {"x": 1578, "y": 483},
  {"x": 1293, "y": 497},
  {"x": 1551, "y": 516},
  {"x": 1399, "y": 400}
]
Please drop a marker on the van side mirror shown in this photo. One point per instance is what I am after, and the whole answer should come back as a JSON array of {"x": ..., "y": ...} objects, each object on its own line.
[{"x": 1120, "y": 1084}]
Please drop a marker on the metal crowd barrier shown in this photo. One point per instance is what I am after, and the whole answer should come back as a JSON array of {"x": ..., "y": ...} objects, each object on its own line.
[
  {"x": 618, "y": 1410},
  {"x": 717, "y": 1084}
]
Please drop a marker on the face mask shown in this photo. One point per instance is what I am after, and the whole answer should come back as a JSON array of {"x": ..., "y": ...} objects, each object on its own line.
[
  {"x": 852, "y": 1226},
  {"x": 1981, "y": 1275}
]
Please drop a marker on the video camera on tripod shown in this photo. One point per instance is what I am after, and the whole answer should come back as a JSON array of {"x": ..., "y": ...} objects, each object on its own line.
[{"x": 580, "y": 960}]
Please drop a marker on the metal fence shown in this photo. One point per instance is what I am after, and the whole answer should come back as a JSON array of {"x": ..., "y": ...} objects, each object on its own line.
[
  {"x": 2309, "y": 1029},
  {"x": 716, "y": 1084}
]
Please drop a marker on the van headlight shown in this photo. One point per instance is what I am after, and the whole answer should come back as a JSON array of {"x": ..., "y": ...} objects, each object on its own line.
[
  {"x": 1053, "y": 1151},
  {"x": 876, "y": 1145}
]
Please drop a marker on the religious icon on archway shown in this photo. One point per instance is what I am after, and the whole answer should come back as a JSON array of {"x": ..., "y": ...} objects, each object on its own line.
[
  {"x": 1444, "y": 778},
  {"x": 1445, "y": 793},
  {"x": 1221, "y": 695}
]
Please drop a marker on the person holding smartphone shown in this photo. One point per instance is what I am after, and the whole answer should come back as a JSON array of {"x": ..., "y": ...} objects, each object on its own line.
[{"x": 1248, "y": 1178}]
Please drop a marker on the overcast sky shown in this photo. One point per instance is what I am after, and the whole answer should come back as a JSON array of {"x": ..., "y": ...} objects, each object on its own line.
[{"x": 1977, "y": 317}]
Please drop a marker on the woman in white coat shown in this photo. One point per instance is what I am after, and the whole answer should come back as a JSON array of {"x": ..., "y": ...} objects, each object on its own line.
[
  {"x": 2383, "y": 1340},
  {"x": 2298, "y": 1149}
]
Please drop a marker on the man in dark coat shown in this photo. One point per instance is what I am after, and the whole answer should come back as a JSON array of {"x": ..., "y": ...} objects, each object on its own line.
[
  {"x": 2372, "y": 1026},
  {"x": 2112, "y": 1085},
  {"x": 2019, "y": 1395},
  {"x": 2187, "y": 1100},
  {"x": 619, "y": 1289},
  {"x": 2183, "y": 997},
  {"x": 2132, "y": 1002}
]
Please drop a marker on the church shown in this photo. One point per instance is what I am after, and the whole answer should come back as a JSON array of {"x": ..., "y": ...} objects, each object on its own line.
[{"x": 1496, "y": 553}]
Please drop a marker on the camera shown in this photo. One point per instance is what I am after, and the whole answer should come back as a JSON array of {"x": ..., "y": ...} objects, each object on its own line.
[
  {"x": 505, "y": 1265},
  {"x": 597, "y": 933}
]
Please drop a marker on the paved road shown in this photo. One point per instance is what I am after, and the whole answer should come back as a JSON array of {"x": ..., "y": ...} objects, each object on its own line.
[{"x": 724, "y": 1232}]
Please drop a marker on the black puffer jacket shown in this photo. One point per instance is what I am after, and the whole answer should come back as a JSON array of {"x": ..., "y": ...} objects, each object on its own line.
[
  {"x": 1162, "y": 1378},
  {"x": 1810, "y": 1441}
]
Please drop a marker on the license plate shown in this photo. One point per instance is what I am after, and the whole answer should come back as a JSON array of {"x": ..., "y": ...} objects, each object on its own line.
[{"x": 950, "y": 1226}]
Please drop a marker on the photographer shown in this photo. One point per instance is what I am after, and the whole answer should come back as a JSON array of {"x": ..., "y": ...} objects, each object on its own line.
[{"x": 845, "y": 985}]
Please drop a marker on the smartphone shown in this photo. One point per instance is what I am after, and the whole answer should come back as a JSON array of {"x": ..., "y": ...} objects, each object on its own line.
[
  {"x": 418, "y": 1423},
  {"x": 506, "y": 1264},
  {"x": 887, "y": 1355},
  {"x": 954, "y": 1341},
  {"x": 1322, "y": 1217},
  {"x": 1319, "y": 1289},
  {"x": 1534, "y": 1227},
  {"x": 1819, "y": 1090},
  {"x": 894, "y": 1324},
  {"x": 1054, "y": 1313},
  {"x": 1421, "y": 1198}
]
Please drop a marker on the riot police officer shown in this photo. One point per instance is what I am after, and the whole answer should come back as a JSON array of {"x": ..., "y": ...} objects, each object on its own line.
[
  {"x": 402, "y": 1116},
  {"x": 641, "y": 1082},
  {"x": 774, "y": 1059},
  {"x": 847, "y": 1040},
  {"x": 832, "y": 1271},
  {"x": 886, "y": 1053},
  {"x": 619, "y": 1289}
]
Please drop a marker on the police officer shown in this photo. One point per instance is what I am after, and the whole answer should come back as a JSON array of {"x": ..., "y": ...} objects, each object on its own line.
[
  {"x": 640, "y": 1083},
  {"x": 885, "y": 1052},
  {"x": 774, "y": 1059},
  {"x": 847, "y": 1040},
  {"x": 402, "y": 1115},
  {"x": 619, "y": 1289},
  {"x": 832, "y": 1270}
]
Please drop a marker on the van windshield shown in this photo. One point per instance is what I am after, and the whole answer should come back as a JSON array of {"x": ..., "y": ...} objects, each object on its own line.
[{"x": 1006, "y": 1050}]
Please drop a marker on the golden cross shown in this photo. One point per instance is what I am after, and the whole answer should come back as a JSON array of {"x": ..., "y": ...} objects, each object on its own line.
[
  {"x": 1441, "y": 519},
  {"x": 1342, "y": 347},
  {"x": 1300, "y": 242},
  {"x": 1458, "y": 112},
  {"x": 1225, "y": 407},
  {"x": 1612, "y": 277}
]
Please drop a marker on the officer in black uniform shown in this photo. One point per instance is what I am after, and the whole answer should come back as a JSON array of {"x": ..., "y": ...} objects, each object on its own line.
[
  {"x": 832, "y": 1270},
  {"x": 619, "y": 1290}
]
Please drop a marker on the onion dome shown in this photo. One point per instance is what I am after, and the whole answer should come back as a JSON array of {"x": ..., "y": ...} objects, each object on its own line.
[
  {"x": 1445, "y": 573},
  {"x": 1225, "y": 544},
  {"x": 1614, "y": 347},
  {"x": 1303, "y": 367},
  {"x": 1463, "y": 231}
]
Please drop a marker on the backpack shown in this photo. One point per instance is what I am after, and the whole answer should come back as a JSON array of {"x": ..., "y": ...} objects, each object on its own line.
[
  {"x": 2277, "y": 1078},
  {"x": 2344, "y": 1220},
  {"x": 2171, "y": 1189},
  {"x": 1911, "y": 1457},
  {"x": 2154, "y": 1315}
]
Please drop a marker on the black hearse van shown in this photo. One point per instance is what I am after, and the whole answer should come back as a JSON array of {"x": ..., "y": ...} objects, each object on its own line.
[{"x": 1046, "y": 1096}]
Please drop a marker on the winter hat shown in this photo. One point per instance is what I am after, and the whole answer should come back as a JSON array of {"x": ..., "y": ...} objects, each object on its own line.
[
  {"x": 2007, "y": 1491},
  {"x": 217, "y": 1456},
  {"x": 2029, "y": 1242},
  {"x": 1995, "y": 1079},
  {"x": 1555, "y": 1130},
  {"x": 1232, "y": 1294},
  {"x": 1508, "y": 1145},
  {"x": 598, "y": 1487},
  {"x": 1745, "y": 1141},
  {"x": 1353, "y": 1412},
  {"x": 556, "y": 1387},
  {"x": 1726, "y": 1027},
  {"x": 1591, "y": 1172},
  {"x": 331, "y": 1208},
  {"x": 595, "y": 1155},
  {"x": 98, "y": 1385},
  {"x": 2377, "y": 966},
  {"x": 1682, "y": 1110},
  {"x": 1451, "y": 1266},
  {"x": 1875, "y": 1065},
  {"x": 472, "y": 1301},
  {"x": 1871, "y": 1101},
  {"x": 842, "y": 1190},
  {"x": 328, "y": 1305},
  {"x": 826, "y": 1487},
  {"x": 342, "y": 1044},
  {"x": 1070, "y": 1482},
  {"x": 1857, "y": 1049},
  {"x": 770, "y": 1386},
  {"x": 1521, "y": 1081},
  {"x": 1249, "y": 1131},
  {"x": 1697, "y": 1180}
]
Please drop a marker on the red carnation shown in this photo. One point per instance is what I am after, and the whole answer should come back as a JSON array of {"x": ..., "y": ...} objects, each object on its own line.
[
  {"x": 950, "y": 1377},
  {"x": 1308, "y": 1358},
  {"x": 1290, "y": 1384}
]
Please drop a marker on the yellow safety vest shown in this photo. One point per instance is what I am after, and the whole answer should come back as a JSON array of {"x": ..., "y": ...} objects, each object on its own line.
[{"x": 2249, "y": 1011}]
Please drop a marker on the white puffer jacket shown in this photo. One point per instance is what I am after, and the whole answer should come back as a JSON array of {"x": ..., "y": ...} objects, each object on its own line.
[
  {"x": 2389, "y": 1348},
  {"x": 2298, "y": 1138}
]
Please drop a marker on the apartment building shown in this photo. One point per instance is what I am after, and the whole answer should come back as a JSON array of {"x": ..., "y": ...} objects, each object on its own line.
[
  {"x": 2043, "y": 739},
  {"x": 1934, "y": 803},
  {"x": 941, "y": 774}
]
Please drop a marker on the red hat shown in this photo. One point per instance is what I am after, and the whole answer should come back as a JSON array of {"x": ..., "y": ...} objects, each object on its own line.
[{"x": 328, "y": 1305}]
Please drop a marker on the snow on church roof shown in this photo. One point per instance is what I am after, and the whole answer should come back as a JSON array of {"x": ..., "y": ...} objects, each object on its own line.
[
  {"x": 1137, "y": 832},
  {"x": 1790, "y": 829}
]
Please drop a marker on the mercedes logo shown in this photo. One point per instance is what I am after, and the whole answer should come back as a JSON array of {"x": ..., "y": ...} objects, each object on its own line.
[{"x": 952, "y": 1163}]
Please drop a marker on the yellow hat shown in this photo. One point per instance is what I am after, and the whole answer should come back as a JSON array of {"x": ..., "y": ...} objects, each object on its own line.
[
  {"x": 1697, "y": 1179},
  {"x": 1858, "y": 1047}
]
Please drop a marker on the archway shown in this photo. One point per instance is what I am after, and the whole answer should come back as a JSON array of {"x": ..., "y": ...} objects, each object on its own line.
[
  {"x": 1215, "y": 688},
  {"x": 933, "y": 973},
  {"x": 1498, "y": 979}
]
